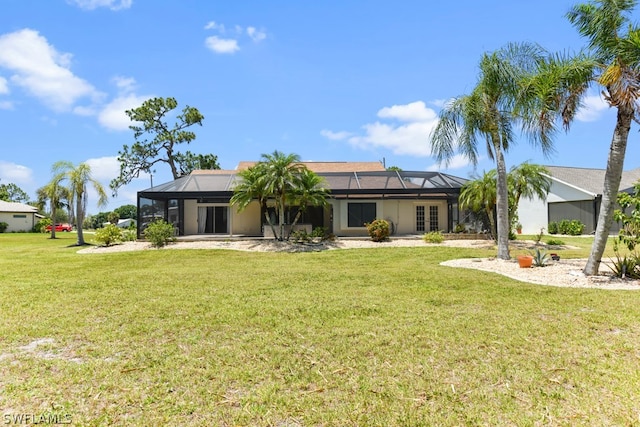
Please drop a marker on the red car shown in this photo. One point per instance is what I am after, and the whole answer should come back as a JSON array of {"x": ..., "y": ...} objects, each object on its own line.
[{"x": 60, "y": 227}]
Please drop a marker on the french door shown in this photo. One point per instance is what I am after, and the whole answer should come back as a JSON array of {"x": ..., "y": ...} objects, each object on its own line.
[{"x": 213, "y": 220}]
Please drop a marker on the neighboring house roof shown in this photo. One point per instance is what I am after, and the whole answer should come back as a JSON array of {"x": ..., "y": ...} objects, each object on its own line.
[
  {"x": 16, "y": 207},
  {"x": 591, "y": 180},
  {"x": 318, "y": 167}
]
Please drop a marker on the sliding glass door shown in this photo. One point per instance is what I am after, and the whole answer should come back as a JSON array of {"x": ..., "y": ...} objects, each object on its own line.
[{"x": 213, "y": 220}]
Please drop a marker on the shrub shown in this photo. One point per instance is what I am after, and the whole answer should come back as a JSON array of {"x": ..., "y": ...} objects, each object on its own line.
[
  {"x": 571, "y": 227},
  {"x": 159, "y": 233},
  {"x": 41, "y": 226},
  {"x": 3, "y": 227},
  {"x": 108, "y": 235},
  {"x": 540, "y": 258},
  {"x": 553, "y": 228},
  {"x": 319, "y": 232},
  {"x": 129, "y": 235},
  {"x": 460, "y": 228},
  {"x": 555, "y": 242},
  {"x": 379, "y": 230},
  {"x": 300, "y": 236},
  {"x": 433, "y": 237}
]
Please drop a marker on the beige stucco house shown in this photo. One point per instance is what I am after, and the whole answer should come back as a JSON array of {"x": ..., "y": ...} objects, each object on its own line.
[
  {"x": 19, "y": 216},
  {"x": 414, "y": 202}
]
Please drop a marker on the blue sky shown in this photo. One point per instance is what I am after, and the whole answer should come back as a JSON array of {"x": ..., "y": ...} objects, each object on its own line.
[{"x": 331, "y": 80}]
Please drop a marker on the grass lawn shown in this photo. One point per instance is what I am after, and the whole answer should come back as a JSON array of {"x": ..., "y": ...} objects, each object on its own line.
[{"x": 363, "y": 337}]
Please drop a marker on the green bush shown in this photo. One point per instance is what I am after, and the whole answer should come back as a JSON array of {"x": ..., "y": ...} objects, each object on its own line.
[
  {"x": 108, "y": 235},
  {"x": 130, "y": 235},
  {"x": 3, "y": 227},
  {"x": 553, "y": 228},
  {"x": 555, "y": 242},
  {"x": 41, "y": 226},
  {"x": 159, "y": 233},
  {"x": 300, "y": 236},
  {"x": 319, "y": 232},
  {"x": 571, "y": 227},
  {"x": 379, "y": 230},
  {"x": 433, "y": 237}
]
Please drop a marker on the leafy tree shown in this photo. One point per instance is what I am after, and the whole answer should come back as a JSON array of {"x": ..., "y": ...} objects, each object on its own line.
[
  {"x": 157, "y": 142},
  {"x": 519, "y": 86},
  {"x": 394, "y": 168},
  {"x": 12, "y": 193},
  {"x": 189, "y": 162},
  {"x": 113, "y": 218},
  {"x": 615, "y": 44},
  {"x": 127, "y": 211},
  {"x": 78, "y": 177}
]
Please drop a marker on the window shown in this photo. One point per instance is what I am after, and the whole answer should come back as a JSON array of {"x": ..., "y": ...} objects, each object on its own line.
[
  {"x": 361, "y": 213},
  {"x": 420, "y": 218},
  {"x": 19, "y": 216}
]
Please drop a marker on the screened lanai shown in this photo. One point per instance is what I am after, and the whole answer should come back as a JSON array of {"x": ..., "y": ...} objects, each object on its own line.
[{"x": 414, "y": 201}]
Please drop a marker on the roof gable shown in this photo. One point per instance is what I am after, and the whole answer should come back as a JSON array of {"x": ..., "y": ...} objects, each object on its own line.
[
  {"x": 591, "y": 180},
  {"x": 16, "y": 207}
]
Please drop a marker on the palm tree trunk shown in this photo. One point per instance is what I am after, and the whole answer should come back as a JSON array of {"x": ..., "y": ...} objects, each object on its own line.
[
  {"x": 281, "y": 216},
  {"x": 79, "y": 219},
  {"x": 53, "y": 220},
  {"x": 612, "y": 177},
  {"x": 502, "y": 206},
  {"x": 273, "y": 228}
]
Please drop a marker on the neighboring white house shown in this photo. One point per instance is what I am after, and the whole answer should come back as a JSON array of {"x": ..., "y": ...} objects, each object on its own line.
[
  {"x": 123, "y": 223},
  {"x": 575, "y": 193},
  {"x": 19, "y": 216}
]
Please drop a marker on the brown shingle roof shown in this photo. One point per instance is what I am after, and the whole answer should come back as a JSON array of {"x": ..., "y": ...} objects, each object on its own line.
[
  {"x": 591, "y": 180},
  {"x": 331, "y": 166}
]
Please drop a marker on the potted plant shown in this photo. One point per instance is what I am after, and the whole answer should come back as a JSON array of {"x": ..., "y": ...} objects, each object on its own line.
[
  {"x": 519, "y": 228},
  {"x": 525, "y": 261}
]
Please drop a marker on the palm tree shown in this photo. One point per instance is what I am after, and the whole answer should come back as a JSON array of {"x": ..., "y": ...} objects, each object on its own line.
[
  {"x": 615, "y": 44},
  {"x": 57, "y": 195},
  {"x": 527, "y": 180},
  {"x": 281, "y": 178},
  {"x": 252, "y": 187},
  {"x": 310, "y": 191},
  {"x": 480, "y": 195},
  {"x": 491, "y": 112},
  {"x": 78, "y": 177}
]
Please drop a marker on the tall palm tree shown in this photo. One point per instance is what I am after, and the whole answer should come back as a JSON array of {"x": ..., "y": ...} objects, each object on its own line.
[
  {"x": 520, "y": 86},
  {"x": 310, "y": 191},
  {"x": 615, "y": 43},
  {"x": 480, "y": 195},
  {"x": 491, "y": 112},
  {"x": 78, "y": 177}
]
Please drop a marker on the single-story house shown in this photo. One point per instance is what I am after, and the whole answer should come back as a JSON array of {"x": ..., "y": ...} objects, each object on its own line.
[
  {"x": 19, "y": 216},
  {"x": 359, "y": 192},
  {"x": 576, "y": 193},
  {"x": 123, "y": 223}
]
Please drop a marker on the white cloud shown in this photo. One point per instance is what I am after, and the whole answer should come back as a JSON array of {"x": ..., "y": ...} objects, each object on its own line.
[
  {"x": 335, "y": 136},
  {"x": 113, "y": 115},
  {"x": 219, "y": 45},
  {"x": 4, "y": 87},
  {"x": 125, "y": 84},
  {"x": 413, "y": 112},
  {"x": 42, "y": 71},
  {"x": 593, "y": 108},
  {"x": 18, "y": 174},
  {"x": 94, "y": 4},
  {"x": 411, "y": 137},
  {"x": 256, "y": 35},
  {"x": 212, "y": 25},
  {"x": 6, "y": 105},
  {"x": 104, "y": 168}
]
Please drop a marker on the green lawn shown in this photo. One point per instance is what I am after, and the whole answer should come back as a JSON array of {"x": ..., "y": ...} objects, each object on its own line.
[{"x": 363, "y": 337}]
